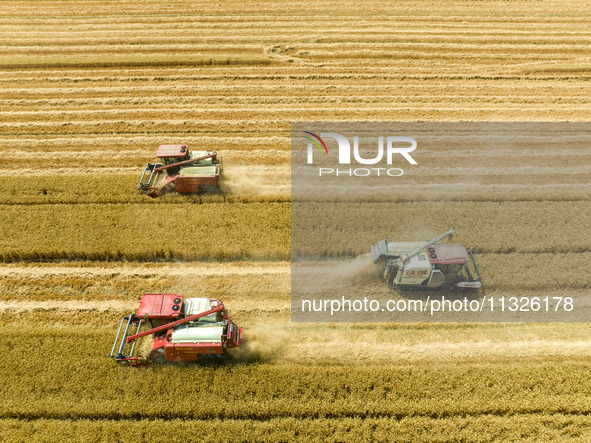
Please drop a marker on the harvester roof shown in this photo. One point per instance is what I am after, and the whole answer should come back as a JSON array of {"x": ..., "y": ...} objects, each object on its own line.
[
  {"x": 177, "y": 151},
  {"x": 160, "y": 305},
  {"x": 448, "y": 254}
]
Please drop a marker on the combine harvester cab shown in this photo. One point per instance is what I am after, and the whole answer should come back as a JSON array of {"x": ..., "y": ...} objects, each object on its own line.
[
  {"x": 182, "y": 171},
  {"x": 183, "y": 329},
  {"x": 427, "y": 265}
]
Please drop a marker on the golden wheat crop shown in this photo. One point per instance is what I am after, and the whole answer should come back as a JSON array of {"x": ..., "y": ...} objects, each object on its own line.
[
  {"x": 88, "y": 91},
  {"x": 487, "y": 227},
  {"x": 103, "y": 281},
  {"x": 89, "y": 231},
  {"x": 540, "y": 427},
  {"x": 57, "y": 373},
  {"x": 144, "y": 232},
  {"x": 119, "y": 186}
]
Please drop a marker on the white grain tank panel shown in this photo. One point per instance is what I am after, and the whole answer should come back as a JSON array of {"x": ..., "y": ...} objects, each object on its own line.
[
  {"x": 197, "y": 334},
  {"x": 206, "y": 162},
  {"x": 199, "y": 171},
  {"x": 197, "y": 305},
  {"x": 398, "y": 248}
]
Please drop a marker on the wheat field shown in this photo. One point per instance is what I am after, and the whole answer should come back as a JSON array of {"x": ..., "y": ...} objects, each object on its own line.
[{"x": 89, "y": 89}]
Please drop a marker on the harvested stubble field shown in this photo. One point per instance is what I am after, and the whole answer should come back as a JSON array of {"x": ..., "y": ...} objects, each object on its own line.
[{"x": 88, "y": 89}]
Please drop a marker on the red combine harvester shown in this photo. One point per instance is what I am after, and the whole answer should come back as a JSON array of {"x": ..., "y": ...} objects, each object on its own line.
[
  {"x": 182, "y": 171},
  {"x": 184, "y": 329}
]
